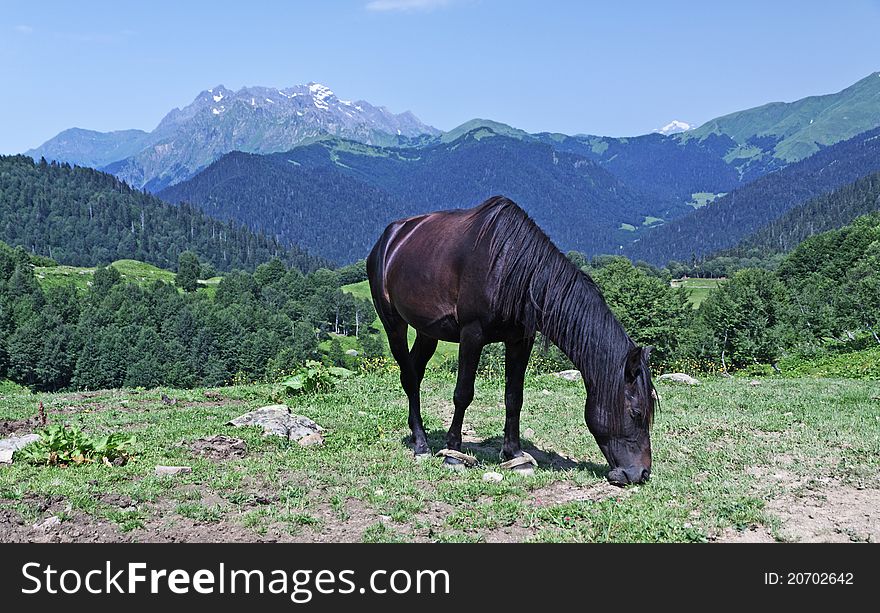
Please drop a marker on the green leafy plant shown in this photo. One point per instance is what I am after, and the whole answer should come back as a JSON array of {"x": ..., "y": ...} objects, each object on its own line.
[
  {"x": 63, "y": 446},
  {"x": 313, "y": 378}
]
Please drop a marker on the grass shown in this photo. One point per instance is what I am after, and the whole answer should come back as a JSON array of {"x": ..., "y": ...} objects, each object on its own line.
[
  {"x": 698, "y": 289},
  {"x": 710, "y": 443},
  {"x": 701, "y": 199},
  {"x": 132, "y": 271}
]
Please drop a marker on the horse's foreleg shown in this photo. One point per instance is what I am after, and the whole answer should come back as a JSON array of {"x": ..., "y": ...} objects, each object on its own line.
[
  {"x": 410, "y": 379},
  {"x": 469, "y": 349},
  {"x": 516, "y": 358}
]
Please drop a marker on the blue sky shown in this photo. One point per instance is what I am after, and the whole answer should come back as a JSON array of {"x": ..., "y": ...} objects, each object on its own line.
[{"x": 615, "y": 68}]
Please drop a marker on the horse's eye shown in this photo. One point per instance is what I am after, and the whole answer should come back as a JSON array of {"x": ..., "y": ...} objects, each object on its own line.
[{"x": 636, "y": 414}]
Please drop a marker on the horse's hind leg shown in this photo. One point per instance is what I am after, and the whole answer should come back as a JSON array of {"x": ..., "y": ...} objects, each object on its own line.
[
  {"x": 516, "y": 358},
  {"x": 469, "y": 349},
  {"x": 412, "y": 369}
]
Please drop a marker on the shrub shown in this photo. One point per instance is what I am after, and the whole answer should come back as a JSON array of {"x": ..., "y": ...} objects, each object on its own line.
[{"x": 62, "y": 446}]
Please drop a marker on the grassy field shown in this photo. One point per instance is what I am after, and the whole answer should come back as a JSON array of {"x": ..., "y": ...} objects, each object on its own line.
[
  {"x": 132, "y": 271},
  {"x": 698, "y": 289},
  {"x": 790, "y": 459}
]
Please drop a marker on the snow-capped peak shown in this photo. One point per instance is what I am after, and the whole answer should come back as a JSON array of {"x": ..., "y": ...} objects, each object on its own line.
[
  {"x": 674, "y": 127},
  {"x": 320, "y": 93}
]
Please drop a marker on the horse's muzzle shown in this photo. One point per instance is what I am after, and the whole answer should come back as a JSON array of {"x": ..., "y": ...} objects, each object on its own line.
[{"x": 624, "y": 476}]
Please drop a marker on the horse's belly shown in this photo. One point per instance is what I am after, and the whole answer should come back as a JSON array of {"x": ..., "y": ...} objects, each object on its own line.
[{"x": 443, "y": 328}]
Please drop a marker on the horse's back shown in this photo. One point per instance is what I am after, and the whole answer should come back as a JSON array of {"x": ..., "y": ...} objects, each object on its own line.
[{"x": 416, "y": 270}]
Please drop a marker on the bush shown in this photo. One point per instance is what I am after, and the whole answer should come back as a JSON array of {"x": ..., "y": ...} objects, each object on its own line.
[{"x": 62, "y": 446}]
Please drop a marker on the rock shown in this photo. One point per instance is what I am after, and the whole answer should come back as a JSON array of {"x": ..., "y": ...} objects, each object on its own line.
[
  {"x": 492, "y": 476},
  {"x": 310, "y": 440},
  {"x": 277, "y": 420},
  {"x": 754, "y": 383},
  {"x": 167, "y": 400},
  {"x": 568, "y": 375},
  {"x": 529, "y": 433},
  {"x": 172, "y": 470},
  {"x": 546, "y": 392},
  {"x": 11, "y": 444},
  {"x": 352, "y": 352},
  {"x": 678, "y": 377},
  {"x": 48, "y": 523}
]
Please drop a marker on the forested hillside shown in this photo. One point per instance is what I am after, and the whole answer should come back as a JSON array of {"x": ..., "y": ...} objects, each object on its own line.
[
  {"x": 743, "y": 211},
  {"x": 827, "y": 212},
  {"x": 335, "y": 197},
  {"x": 119, "y": 333},
  {"x": 82, "y": 217}
]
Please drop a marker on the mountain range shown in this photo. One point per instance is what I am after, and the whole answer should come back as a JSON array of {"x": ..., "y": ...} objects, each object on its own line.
[
  {"x": 252, "y": 119},
  {"x": 309, "y": 168}
]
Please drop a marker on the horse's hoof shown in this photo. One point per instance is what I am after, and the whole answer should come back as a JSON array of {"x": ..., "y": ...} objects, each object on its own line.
[
  {"x": 523, "y": 464},
  {"x": 453, "y": 464}
]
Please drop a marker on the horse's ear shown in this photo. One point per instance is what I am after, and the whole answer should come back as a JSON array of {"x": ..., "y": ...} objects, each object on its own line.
[
  {"x": 634, "y": 363},
  {"x": 647, "y": 352}
]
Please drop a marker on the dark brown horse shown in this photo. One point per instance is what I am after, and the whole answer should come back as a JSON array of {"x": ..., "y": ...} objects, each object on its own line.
[{"x": 489, "y": 274}]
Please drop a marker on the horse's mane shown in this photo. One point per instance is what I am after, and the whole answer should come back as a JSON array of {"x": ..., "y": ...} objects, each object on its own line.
[{"x": 537, "y": 287}]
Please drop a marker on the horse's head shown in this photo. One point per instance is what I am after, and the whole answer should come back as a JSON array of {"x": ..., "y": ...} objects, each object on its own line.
[{"x": 621, "y": 422}]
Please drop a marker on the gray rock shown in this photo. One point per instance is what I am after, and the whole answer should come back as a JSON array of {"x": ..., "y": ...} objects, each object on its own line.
[
  {"x": 754, "y": 383},
  {"x": 277, "y": 420},
  {"x": 169, "y": 471},
  {"x": 492, "y": 476},
  {"x": 48, "y": 523},
  {"x": 678, "y": 377},
  {"x": 568, "y": 375},
  {"x": 11, "y": 444},
  {"x": 352, "y": 352},
  {"x": 17, "y": 442}
]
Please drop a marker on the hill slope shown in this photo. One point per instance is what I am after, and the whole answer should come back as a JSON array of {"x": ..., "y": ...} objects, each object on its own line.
[
  {"x": 335, "y": 197},
  {"x": 745, "y": 210},
  {"x": 82, "y": 217},
  {"x": 827, "y": 212},
  {"x": 795, "y": 130}
]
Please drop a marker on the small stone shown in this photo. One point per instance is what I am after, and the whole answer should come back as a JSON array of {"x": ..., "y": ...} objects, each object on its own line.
[
  {"x": 492, "y": 476},
  {"x": 379, "y": 492},
  {"x": 385, "y": 519},
  {"x": 48, "y": 523},
  {"x": 352, "y": 352},
  {"x": 546, "y": 392},
  {"x": 6, "y": 456},
  {"x": 678, "y": 377},
  {"x": 310, "y": 440},
  {"x": 172, "y": 470},
  {"x": 754, "y": 383},
  {"x": 568, "y": 375},
  {"x": 529, "y": 433}
]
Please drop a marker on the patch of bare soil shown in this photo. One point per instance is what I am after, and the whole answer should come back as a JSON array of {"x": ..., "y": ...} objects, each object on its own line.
[
  {"x": 218, "y": 447},
  {"x": 563, "y": 492},
  {"x": 19, "y": 426},
  {"x": 835, "y": 513},
  {"x": 812, "y": 510},
  {"x": 78, "y": 528}
]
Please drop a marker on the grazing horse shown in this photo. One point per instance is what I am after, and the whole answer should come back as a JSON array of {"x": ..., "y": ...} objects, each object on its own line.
[{"x": 489, "y": 274}]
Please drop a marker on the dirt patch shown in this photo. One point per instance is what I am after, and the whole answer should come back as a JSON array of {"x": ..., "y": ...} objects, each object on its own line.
[
  {"x": 835, "y": 513},
  {"x": 19, "y": 426},
  {"x": 218, "y": 447},
  {"x": 752, "y": 534},
  {"x": 562, "y": 492},
  {"x": 77, "y": 528}
]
